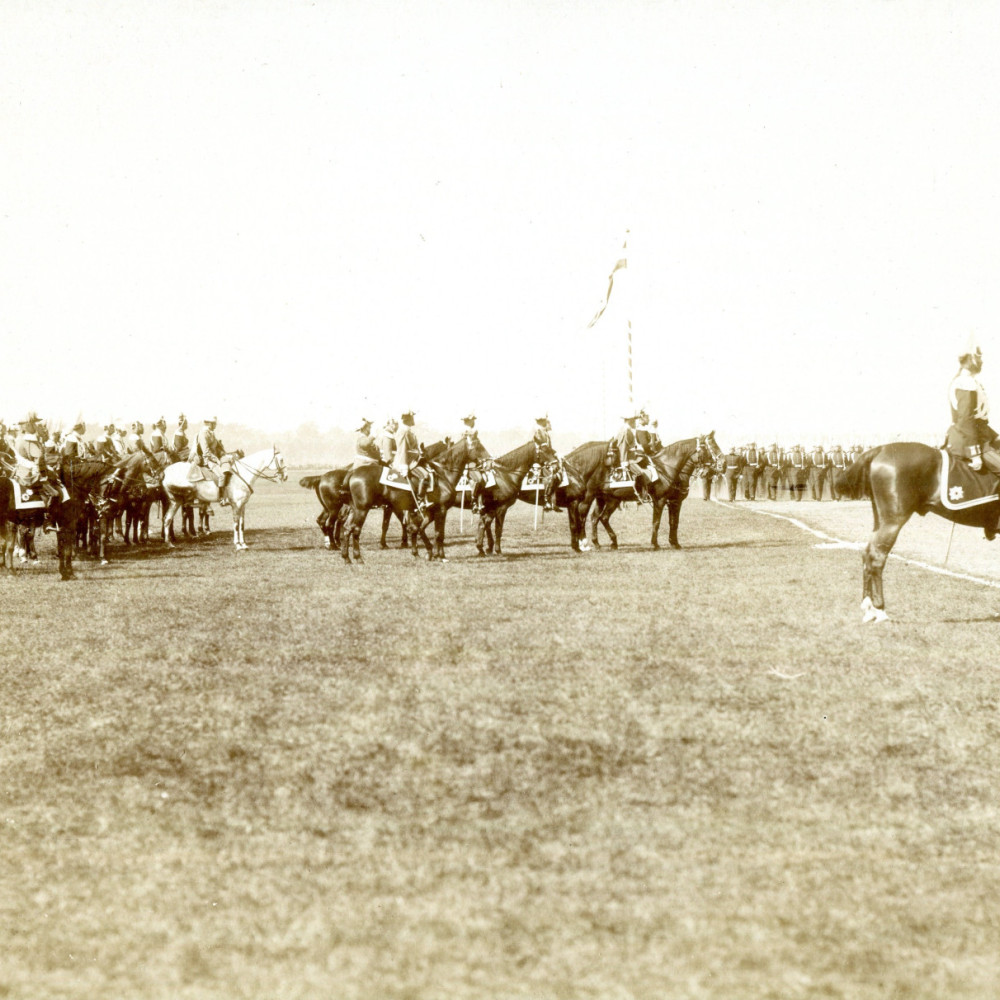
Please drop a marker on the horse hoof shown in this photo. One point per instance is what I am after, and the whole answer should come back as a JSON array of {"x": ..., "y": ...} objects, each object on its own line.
[
  {"x": 104, "y": 562},
  {"x": 873, "y": 616},
  {"x": 675, "y": 545}
]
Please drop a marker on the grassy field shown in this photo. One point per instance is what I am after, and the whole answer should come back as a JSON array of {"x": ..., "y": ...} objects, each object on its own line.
[{"x": 681, "y": 774}]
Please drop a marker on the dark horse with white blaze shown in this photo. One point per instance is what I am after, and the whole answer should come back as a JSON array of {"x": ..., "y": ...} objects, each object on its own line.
[
  {"x": 366, "y": 492},
  {"x": 508, "y": 473},
  {"x": 903, "y": 479},
  {"x": 586, "y": 471}
]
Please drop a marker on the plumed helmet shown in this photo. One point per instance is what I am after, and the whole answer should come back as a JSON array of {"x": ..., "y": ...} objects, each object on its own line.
[
  {"x": 80, "y": 425},
  {"x": 364, "y": 423},
  {"x": 969, "y": 347},
  {"x": 161, "y": 423},
  {"x": 469, "y": 418},
  {"x": 30, "y": 418},
  {"x": 408, "y": 413},
  {"x": 542, "y": 420}
]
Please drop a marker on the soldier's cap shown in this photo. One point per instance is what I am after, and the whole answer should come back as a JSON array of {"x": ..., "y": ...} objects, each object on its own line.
[
  {"x": 469, "y": 418},
  {"x": 542, "y": 420},
  {"x": 407, "y": 413},
  {"x": 80, "y": 425}
]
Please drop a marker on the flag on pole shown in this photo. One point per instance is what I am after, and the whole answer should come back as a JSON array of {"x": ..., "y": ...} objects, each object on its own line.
[{"x": 619, "y": 266}]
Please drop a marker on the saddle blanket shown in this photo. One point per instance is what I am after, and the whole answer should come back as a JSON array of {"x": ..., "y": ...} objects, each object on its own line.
[
  {"x": 618, "y": 484},
  {"x": 465, "y": 485},
  {"x": 25, "y": 497},
  {"x": 962, "y": 488},
  {"x": 389, "y": 477}
]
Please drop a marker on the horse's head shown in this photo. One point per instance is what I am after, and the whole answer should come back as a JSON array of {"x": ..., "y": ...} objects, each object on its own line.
[
  {"x": 279, "y": 465},
  {"x": 476, "y": 452},
  {"x": 707, "y": 451}
]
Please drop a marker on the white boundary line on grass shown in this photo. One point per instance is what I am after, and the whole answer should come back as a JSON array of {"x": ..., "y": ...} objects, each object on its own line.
[{"x": 839, "y": 543}]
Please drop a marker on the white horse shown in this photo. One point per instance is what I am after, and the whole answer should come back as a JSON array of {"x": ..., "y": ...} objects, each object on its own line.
[{"x": 246, "y": 471}]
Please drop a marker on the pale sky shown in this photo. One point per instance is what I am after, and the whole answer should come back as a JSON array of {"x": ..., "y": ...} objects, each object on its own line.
[{"x": 288, "y": 212}]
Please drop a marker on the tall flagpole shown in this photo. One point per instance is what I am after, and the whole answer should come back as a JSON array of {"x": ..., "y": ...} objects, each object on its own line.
[{"x": 630, "y": 400}]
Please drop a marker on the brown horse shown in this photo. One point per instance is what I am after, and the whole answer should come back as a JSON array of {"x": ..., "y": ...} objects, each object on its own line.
[
  {"x": 367, "y": 492},
  {"x": 904, "y": 479},
  {"x": 674, "y": 466},
  {"x": 495, "y": 500},
  {"x": 333, "y": 492},
  {"x": 444, "y": 494}
]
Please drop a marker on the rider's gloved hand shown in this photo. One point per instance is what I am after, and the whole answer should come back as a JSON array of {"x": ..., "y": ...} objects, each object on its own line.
[{"x": 976, "y": 463}]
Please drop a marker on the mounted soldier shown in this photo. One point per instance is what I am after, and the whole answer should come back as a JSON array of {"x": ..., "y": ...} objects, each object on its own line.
[
  {"x": 30, "y": 469},
  {"x": 73, "y": 444},
  {"x": 385, "y": 441},
  {"x": 365, "y": 450},
  {"x": 970, "y": 435},
  {"x": 158, "y": 436},
  {"x": 104, "y": 447},
  {"x": 208, "y": 452},
  {"x": 632, "y": 460},
  {"x": 134, "y": 441},
  {"x": 180, "y": 443},
  {"x": 408, "y": 458}
]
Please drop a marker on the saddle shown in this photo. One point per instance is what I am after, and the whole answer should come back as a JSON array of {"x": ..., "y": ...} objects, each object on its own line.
[
  {"x": 390, "y": 477},
  {"x": 962, "y": 487}
]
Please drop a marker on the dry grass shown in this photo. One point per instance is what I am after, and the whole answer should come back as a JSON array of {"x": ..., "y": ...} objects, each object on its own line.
[{"x": 633, "y": 774}]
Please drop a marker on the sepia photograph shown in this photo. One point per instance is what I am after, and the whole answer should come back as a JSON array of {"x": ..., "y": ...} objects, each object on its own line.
[{"x": 498, "y": 500}]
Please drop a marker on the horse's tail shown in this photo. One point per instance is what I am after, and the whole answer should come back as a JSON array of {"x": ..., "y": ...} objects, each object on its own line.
[
  {"x": 310, "y": 482},
  {"x": 855, "y": 481}
]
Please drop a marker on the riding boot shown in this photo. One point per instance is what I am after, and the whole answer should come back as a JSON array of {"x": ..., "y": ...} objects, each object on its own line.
[{"x": 223, "y": 499}]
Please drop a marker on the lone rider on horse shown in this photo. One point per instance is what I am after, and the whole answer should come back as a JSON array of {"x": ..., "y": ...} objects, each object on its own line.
[
  {"x": 207, "y": 452},
  {"x": 970, "y": 435}
]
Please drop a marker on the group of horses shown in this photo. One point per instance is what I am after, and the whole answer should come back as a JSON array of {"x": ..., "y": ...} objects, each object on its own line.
[
  {"x": 93, "y": 496},
  {"x": 463, "y": 470}
]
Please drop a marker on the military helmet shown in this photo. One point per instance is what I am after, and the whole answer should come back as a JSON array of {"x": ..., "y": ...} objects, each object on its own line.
[
  {"x": 211, "y": 420},
  {"x": 364, "y": 424},
  {"x": 542, "y": 420},
  {"x": 29, "y": 418},
  {"x": 80, "y": 425},
  {"x": 969, "y": 348},
  {"x": 136, "y": 427},
  {"x": 182, "y": 420},
  {"x": 469, "y": 418},
  {"x": 408, "y": 413},
  {"x": 161, "y": 423}
]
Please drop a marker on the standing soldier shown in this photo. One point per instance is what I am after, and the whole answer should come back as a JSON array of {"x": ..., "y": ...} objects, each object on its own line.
[
  {"x": 818, "y": 465},
  {"x": 775, "y": 459},
  {"x": 706, "y": 473},
  {"x": 837, "y": 458},
  {"x": 180, "y": 444},
  {"x": 753, "y": 466},
  {"x": 407, "y": 458},
  {"x": 733, "y": 467},
  {"x": 158, "y": 436},
  {"x": 797, "y": 463}
]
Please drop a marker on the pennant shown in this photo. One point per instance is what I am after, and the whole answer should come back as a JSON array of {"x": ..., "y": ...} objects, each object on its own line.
[{"x": 621, "y": 265}]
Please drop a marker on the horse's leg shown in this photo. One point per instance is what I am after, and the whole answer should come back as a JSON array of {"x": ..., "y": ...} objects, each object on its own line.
[
  {"x": 386, "y": 521},
  {"x": 572, "y": 515},
  {"x": 606, "y": 511},
  {"x": 674, "y": 514},
  {"x": 480, "y": 535},
  {"x": 440, "y": 517},
  {"x": 243, "y": 525},
  {"x": 657, "y": 516},
  {"x": 500, "y": 518},
  {"x": 874, "y": 559},
  {"x": 595, "y": 516}
]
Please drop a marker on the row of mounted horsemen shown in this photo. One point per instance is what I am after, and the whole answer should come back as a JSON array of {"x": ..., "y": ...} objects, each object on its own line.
[{"x": 82, "y": 489}]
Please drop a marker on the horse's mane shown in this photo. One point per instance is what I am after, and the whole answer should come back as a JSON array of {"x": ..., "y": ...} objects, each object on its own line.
[{"x": 516, "y": 457}]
